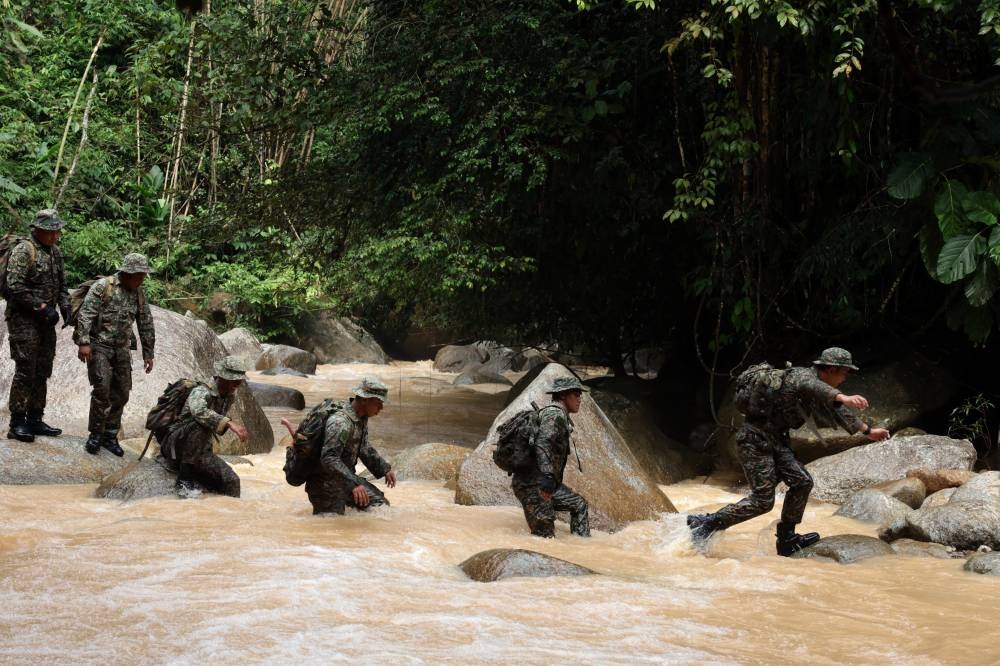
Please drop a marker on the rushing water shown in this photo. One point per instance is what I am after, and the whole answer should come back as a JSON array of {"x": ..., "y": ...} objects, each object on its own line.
[{"x": 261, "y": 580}]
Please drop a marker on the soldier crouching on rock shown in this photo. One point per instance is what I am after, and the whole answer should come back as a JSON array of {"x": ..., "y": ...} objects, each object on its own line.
[
  {"x": 187, "y": 448},
  {"x": 335, "y": 486},
  {"x": 36, "y": 295},
  {"x": 540, "y": 488},
  {"x": 104, "y": 338}
]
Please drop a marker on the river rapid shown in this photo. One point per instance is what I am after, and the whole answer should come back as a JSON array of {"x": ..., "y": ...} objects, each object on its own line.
[{"x": 260, "y": 580}]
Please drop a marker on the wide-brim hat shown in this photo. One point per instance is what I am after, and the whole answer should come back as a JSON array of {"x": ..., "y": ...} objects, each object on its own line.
[
  {"x": 563, "y": 384},
  {"x": 838, "y": 357},
  {"x": 232, "y": 368},
  {"x": 371, "y": 387},
  {"x": 135, "y": 263},
  {"x": 48, "y": 220}
]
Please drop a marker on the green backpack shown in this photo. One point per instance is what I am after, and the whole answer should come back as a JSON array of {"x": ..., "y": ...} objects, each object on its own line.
[
  {"x": 7, "y": 245},
  {"x": 302, "y": 457},
  {"x": 515, "y": 448}
]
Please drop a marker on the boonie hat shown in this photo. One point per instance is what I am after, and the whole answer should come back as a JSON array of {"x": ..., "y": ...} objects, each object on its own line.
[
  {"x": 836, "y": 356},
  {"x": 563, "y": 384},
  {"x": 372, "y": 388},
  {"x": 135, "y": 263},
  {"x": 48, "y": 220},
  {"x": 232, "y": 368}
]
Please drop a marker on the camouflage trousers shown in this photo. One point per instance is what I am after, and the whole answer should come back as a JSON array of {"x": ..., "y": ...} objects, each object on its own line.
[
  {"x": 188, "y": 450},
  {"x": 541, "y": 514},
  {"x": 110, "y": 375},
  {"x": 33, "y": 349},
  {"x": 333, "y": 495},
  {"x": 767, "y": 459}
]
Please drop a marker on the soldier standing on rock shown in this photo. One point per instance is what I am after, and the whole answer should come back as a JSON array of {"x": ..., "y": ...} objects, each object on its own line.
[
  {"x": 540, "y": 489},
  {"x": 104, "y": 337},
  {"x": 188, "y": 446},
  {"x": 36, "y": 295},
  {"x": 335, "y": 486},
  {"x": 765, "y": 451}
]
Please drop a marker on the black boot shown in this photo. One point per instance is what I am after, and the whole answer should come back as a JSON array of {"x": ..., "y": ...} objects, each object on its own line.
[
  {"x": 93, "y": 445},
  {"x": 702, "y": 527},
  {"x": 19, "y": 429},
  {"x": 789, "y": 542},
  {"x": 109, "y": 440},
  {"x": 40, "y": 427}
]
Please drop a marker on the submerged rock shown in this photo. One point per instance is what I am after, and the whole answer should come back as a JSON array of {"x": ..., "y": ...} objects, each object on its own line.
[
  {"x": 288, "y": 372},
  {"x": 617, "y": 488},
  {"x": 480, "y": 376},
  {"x": 286, "y": 356},
  {"x": 55, "y": 460},
  {"x": 873, "y": 506},
  {"x": 984, "y": 563},
  {"x": 847, "y": 548},
  {"x": 924, "y": 549},
  {"x": 147, "y": 478},
  {"x": 274, "y": 395},
  {"x": 433, "y": 462},
  {"x": 499, "y": 563}
]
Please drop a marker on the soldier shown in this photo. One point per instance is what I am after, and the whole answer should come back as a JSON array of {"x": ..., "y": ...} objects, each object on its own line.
[
  {"x": 335, "y": 486},
  {"x": 766, "y": 455},
  {"x": 541, "y": 490},
  {"x": 36, "y": 289},
  {"x": 188, "y": 446},
  {"x": 104, "y": 337}
]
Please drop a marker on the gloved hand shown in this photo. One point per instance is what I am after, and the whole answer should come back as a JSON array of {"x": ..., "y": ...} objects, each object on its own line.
[
  {"x": 47, "y": 316},
  {"x": 64, "y": 311}
]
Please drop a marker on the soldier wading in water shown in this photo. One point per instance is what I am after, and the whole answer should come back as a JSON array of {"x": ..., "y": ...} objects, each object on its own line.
[{"x": 764, "y": 447}]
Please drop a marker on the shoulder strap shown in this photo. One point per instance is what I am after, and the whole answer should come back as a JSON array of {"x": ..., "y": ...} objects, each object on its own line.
[{"x": 32, "y": 251}]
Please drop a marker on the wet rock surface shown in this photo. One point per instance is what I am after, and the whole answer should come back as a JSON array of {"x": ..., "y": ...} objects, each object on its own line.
[
  {"x": 500, "y": 563},
  {"x": 147, "y": 478},
  {"x": 873, "y": 506},
  {"x": 286, "y": 356},
  {"x": 273, "y": 395},
  {"x": 909, "y": 491},
  {"x": 925, "y": 549},
  {"x": 984, "y": 563},
  {"x": 939, "y": 479},
  {"x": 480, "y": 376},
  {"x": 433, "y": 461},
  {"x": 336, "y": 339},
  {"x": 847, "y": 548},
  {"x": 241, "y": 342},
  {"x": 50, "y": 460}
]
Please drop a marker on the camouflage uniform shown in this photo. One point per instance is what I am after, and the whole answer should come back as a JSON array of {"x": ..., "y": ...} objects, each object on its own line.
[
  {"x": 766, "y": 455},
  {"x": 552, "y": 448},
  {"x": 345, "y": 440},
  {"x": 188, "y": 446},
  {"x": 35, "y": 276},
  {"x": 105, "y": 323}
]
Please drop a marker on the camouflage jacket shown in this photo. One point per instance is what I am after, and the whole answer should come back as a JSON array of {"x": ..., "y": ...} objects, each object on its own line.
[
  {"x": 806, "y": 396},
  {"x": 107, "y": 321},
  {"x": 346, "y": 440},
  {"x": 552, "y": 444},
  {"x": 207, "y": 407},
  {"x": 31, "y": 283}
]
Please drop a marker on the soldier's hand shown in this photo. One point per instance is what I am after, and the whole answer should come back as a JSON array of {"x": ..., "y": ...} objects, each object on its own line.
[
  {"x": 64, "y": 311},
  {"x": 878, "y": 434},
  {"x": 390, "y": 479},
  {"x": 360, "y": 496},
  {"x": 84, "y": 353},
  {"x": 545, "y": 496},
  {"x": 149, "y": 365},
  {"x": 240, "y": 431},
  {"x": 855, "y": 401}
]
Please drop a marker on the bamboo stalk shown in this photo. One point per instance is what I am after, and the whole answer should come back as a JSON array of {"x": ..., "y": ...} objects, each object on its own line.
[
  {"x": 84, "y": 124},
  {"x": 72, "y": 107},
  {"x": 171, "y": 183}
]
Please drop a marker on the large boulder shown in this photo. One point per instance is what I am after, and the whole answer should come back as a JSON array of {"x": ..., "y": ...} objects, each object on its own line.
[
  {"x": 499, "y": 563},
  {"x": 965, "y": 525},
  {"x": 147, "y": 478},
  {"x": 275, "y": 395},
  {"x": 184, "y": 348},
  {"x": 459, "y": 358},
  {"x": 937, "y": 499},
  {"x": 480, "y": 375},
  {"x": 241, "y": 342},
  {"x": 983, "y": 487},
  {"x": 433, "y": 462},
  {"x": 846, "y": 548},
  {"x": 939, "y": 479},
  {"x": 528, "y": 358},
  {"x": 873, "y": 506},
  {"x": 335, "y": 339},
  {"x": 984, "y": 563},
  {"x": 50, "y": 460},
  {"x": 910, "y": 491},
  {"x": 615, "y": 485},
  {"x": 285, "y": 356},
  {"x": 837, "y": 476}
]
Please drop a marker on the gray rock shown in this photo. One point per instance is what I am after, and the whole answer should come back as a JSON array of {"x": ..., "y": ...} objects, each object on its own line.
[
  {"x": 939, "y": 479},
  {"x": 924, "y": 549},
  {"x": 847, "y": 548},
  {"x": 241, "y": 342},
  {"x": 274, "y": 395},
  {"x": 459, "y": 358},
  {"x": 938, "y": 498},
  {"x": 909, "y": 491},
  {"x": 616, "y": 487},
  {"x": 147, "y": 478},
  {"x": 965, "y": 525},
  {"x": 984, "y": 563},
  {"x": 984, "y": 487},
  {"x": 335, "y": 339},
  {"x": 837, "y": 476},
  {"x": 51, "y": 460},
  {"x": 286, "y": 356},
  {"x": 432, "y": 462},
  {"x": 873, "y": 506},
  {"x": 528, "y": 358},
  {"x": 480, "y": 376},
  {"x": 288, "y": 372},
  {"x": 500, "y": 563}
]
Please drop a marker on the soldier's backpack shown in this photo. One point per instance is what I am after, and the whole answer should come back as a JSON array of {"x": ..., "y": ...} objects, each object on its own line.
[
  {"x": 302, "y": 457},
  {"x": 760, "y": 392},
  {"x": 167, "y": 410},
  {"x": 7, "y": 245},
  {"x": 515, "y": 447}
]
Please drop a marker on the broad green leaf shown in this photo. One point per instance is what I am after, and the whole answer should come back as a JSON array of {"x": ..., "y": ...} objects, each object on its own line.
[
  {"x": 980, "y": 289},
  {"x": 982, "y": 207},
  {"x": 27, "y": 28},
  {"x": 948, "y": 209},
  {"x": 6, "y": 184},
  {"x": 959, "y": 257},
  {"x": 994, "y": 244},
  {"x": 930, "y": 242},
  {"x": 909, "y": 177}
]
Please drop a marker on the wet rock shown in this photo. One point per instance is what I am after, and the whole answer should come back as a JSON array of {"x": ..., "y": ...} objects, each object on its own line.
[
  {"x": 984, "y": 563},
  {"x": 459, "y": 358},
  {"x": 285, "y": 356},
  {"x": 288, "y": 372},
  {"x": 909, "y": 491},
  {"x": 499, "y": 359},
  {"x": 480, "y": 376},
  {"x": 528, "y": 358},
  {"x": 924, "y": 549},
  {"x": 50, "y": 460},
  {"x": 147, "y": 478},
  {"x": 837, "y": 476},
  {"x": 245, "y": 410},
  {"x": 847, "y": 548},
  {"x": 336, "y": 339},
  {"x": 965, "y": 525},
  {"x": 241, "y": 342},
  {"x": 433, "y": 462},
  {"x": 909, "y": 431},
  {"x": 500, "y": 563},
  {"x": 984, "y": 487},
  {"x": 616, "y": 487},
  {"x": 274, "y": 395},
  {"x": 939, "y": 479},
  {"x": 184, "y": 348},
  {"x": 938, "y": 498},
  {"x": 873, "y": 506}
]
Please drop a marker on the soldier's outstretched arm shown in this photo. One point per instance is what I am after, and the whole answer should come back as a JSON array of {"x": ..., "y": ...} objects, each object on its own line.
[
  {"x": 375, "y": 463},
  {"x": 147, "y": 334},
  {"x": 197, "y": 404}
]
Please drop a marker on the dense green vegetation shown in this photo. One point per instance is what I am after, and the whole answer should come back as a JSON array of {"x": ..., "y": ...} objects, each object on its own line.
[{"x": 718, "y": 177}]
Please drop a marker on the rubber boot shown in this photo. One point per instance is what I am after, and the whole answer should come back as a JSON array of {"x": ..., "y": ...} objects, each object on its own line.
[
  {"x": 40, "y": 427},
  {"x": 702, "y": 527},
  {"x": 789, "y": 542},
  {"x": 19, "y": 429},
  {"x": 93, "y": 445},
  {"x": 109, "y": 440}
]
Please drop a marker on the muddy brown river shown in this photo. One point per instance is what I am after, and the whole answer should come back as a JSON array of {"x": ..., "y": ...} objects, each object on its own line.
[{"x": 259, "y": 580}]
